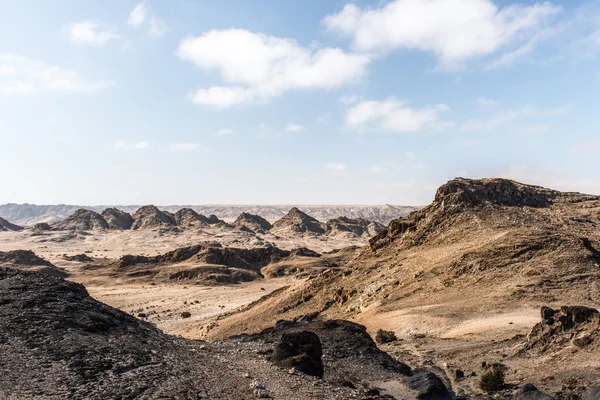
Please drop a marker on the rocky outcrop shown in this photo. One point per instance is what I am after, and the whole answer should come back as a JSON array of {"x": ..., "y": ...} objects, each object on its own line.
[
  {"x": 7, "y": 226},
  {"x": 117, "y": 219},
  {"x": 150, "y": 217},
  {"x": 358, "y": 227},
  {"x": 576, "y": 325},
  {"x": 252, "y": 259},
  {"x": 28, "y": 260},
  {"x": 188, "y": 218},
  {"x": 428, "y": 386},
  {"x": 254, "y": 223},
  {"x": 460, "y": 198},
  {"x": 530, "y": 392},
  {"x": 300, "y": 350},
  {"x": 76, "y": 347},
  {"x": 214, "y": 220},
  {"x": 41, "y": 227},
  {"x": 82, "y": 220},
  {"x": 298, "y": 222}
]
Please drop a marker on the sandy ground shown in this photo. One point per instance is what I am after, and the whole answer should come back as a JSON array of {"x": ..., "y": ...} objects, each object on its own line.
[
  {"x": 114, "y": 244},
  {"x": 163, "y": 305}
]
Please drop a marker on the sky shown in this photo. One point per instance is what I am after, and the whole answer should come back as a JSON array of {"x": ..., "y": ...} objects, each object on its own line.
[{"x": 295, "y": 102}]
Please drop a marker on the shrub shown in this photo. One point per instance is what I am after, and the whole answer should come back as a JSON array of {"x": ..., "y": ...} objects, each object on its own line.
[
  {"x": 385, "y": 336},
  {"x": 186, "y": 314},
  {"x": 492, "y": 381}
]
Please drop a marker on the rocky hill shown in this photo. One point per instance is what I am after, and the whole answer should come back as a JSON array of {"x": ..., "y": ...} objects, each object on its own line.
[
  {"x": 117, "y": 219},
  {"x": 30, "y": 214},
  {"x": 76, "y": 347},
  {"x": 149, "y": 217},
  {"x": 188, "y": 218},
  {"x": 254, "y": 223},
  {"x": 82, "y": 220},
  {"x": 7, "y": 226},
  {"x": 299, "y": 222},
  {"x": 358, "y": 227},
  {"x": 478, "y": 262}
]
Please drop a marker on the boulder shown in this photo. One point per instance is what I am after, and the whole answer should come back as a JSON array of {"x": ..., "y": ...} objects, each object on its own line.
[
  {"x": 428, "y": 386},
  {"x": 530, "y": 392},
  {"x": 300, "y": 350}
]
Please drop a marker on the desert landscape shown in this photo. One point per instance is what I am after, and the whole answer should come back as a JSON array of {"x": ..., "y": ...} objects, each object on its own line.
[
  {"x": 299, "y": 200},
  {"x": 458, "y": 285}
]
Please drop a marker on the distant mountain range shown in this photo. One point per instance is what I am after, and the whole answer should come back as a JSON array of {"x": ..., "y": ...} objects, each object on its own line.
[{"x": 30, "y": 214}]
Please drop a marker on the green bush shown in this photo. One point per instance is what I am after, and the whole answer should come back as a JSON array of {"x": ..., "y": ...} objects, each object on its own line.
[
  {"x": 385, "y": 336},
  {"x": 186, "y": 314},
  {"x": 492, "y": 381}
]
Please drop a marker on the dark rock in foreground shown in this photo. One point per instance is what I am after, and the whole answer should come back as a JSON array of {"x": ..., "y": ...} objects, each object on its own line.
[{"x": 301, "y": 351}]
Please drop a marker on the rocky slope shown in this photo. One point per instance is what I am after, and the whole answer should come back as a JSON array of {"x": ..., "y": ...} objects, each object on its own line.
[
  {"x": 254, "y": 223},
  {"x": 477, "y": 261},
  {"x": 298, "y": 222},
  {"x": 7, "y": 226},
  {"x": 82, "y": 220},
  {"x": 76, "y": 347},
  {"x": 358, "y": 227},
  {"x": 188, "y": 218},
  {"x": 117, "y": 219},
  {"x": 149, "y": 217}
]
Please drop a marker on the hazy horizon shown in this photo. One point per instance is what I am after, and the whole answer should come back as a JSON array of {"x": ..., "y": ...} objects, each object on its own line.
[{"x": 183, "y": 102}]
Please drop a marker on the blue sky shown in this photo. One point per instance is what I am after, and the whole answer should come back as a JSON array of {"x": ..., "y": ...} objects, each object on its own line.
[{"x": 306, "y": 102}]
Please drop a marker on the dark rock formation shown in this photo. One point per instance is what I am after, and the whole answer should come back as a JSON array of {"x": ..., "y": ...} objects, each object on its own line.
[
  {"x": 7, "y": 226},
  {"x": 82, "y": 220},
  {"x": 254, "y": 223},
  {"x": 298, "y": 221},
  {"x": 188, "y": 218},
  {"x": 117, "y": 219},
  {"x": 530, "y": 392},
  {"x": 428, "y": 386},
  {"x": 76, "y": 347},
  {"x": 41, "y": 227},
  {"x": 213, "y": 219},
  {"x": 341, "y": 340},
  {"x": 576, "y": 324},
  {"x": 358, "y": 227},
  {"x": 150, "y": 217},
  {"x": 300, "y": 350},
  {"x": 27, "y": 259},
  {"x": 79, "y": 258}
]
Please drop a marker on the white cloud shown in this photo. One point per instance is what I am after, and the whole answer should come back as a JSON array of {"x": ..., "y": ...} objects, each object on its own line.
[
  {"x": 7, "y": 70},
  {"x": 184, "y": 147},
  {"x": 453, "y": 30},
  {"x": 158, "y": 27},
  {"x": 409, "y": 155},
  {"x": 138, "y": 15},
  {"x": 503, "y": 117},
  {"x": 485, "y": 103},
  {"x": 124, "y": 145},
  {"x": 395, "y": 116},
  {"x": 295, "y": 128},
  {"x": 89, "y": 32},
  {"x": 532, "y": 130},
  {"x": 376, "y": 168},
  {"x": 222, "y": 96},
  {"x": 141, "y": 15},
  {"x": 225, "y": 132},
  {"x": 258, "y": 67},
  {"x": 336, "y": 167},
  {"x": 30, "y": 76},
  {"x": 352, "y": 99}
]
